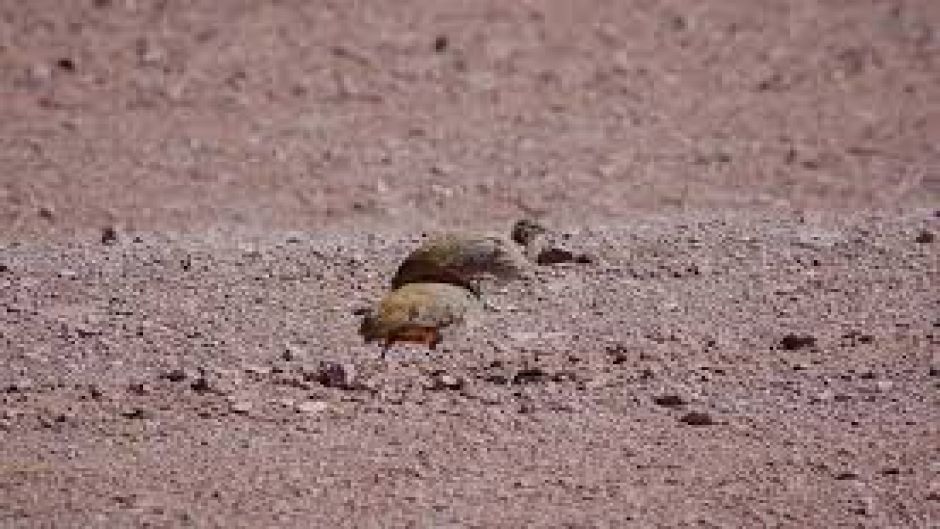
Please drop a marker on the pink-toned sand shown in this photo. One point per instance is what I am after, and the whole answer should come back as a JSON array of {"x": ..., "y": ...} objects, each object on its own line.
[{"x": 197, "y": 198}]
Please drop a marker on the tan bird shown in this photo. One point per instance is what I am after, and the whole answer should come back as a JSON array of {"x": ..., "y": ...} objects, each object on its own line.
[
  {"x": 417, "y": 313},
  {"x": 462, "y": 260}
]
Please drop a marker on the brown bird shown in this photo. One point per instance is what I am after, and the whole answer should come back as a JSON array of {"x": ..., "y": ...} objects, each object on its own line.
[
  {"x": 417, "y": 313},
  {"x": 462, "y": 260}
]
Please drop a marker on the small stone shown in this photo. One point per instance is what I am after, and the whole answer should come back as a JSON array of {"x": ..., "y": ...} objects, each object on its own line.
[
  {"x": 697, "y": 418},
  {"x": 525, "y": 231},
  {"x": 109, "y": 236},
  {"x": 311, "y": 407},
  {"x": 139, "y": 388},
  {"x": 846, "y": 476},
  {"x": 95, "y": 392},
  {"x": 46, "y": 212},
  {"x": 933, "y": 496},
  {"x": 201, "y": 383},
  {"x": 555, "y": 255},
  {"x": 891, "y": 471},
  {"x": 934, "y": 372},
  {"x": 440, "y": 43},
  {"x": 135, "y": 412},
  {"x": 65, "y": 273},
  {"x": 925, "y": 237},
  {"x": 257, "y": 370},
  {"x": 176, "y": 375},
  {"x": 531, "y": 375},
  {"x": 884, "y": 386},
  {"x": 337, "y": 375},
  {"x": 669, "y": 400},
  {"x": 292, "y": 353},
  {"x": 65, "y": 64},
  {"x": 21, "y": 385},
  {"x": 792, "y": 342},
  {"x": 446, "y": 381},
  {"x": 240, "y": 406}
]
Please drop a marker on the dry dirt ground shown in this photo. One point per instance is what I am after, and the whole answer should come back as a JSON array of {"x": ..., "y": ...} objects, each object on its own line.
[{"x": 197, "y": 198}]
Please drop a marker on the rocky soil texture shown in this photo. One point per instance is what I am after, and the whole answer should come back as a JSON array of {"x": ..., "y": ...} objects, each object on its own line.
[{"x": 198, "y": 200}]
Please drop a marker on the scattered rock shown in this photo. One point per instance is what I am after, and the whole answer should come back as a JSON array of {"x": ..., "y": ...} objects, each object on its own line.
[
  {"x": 139, "y": 388},
  {"x": 109, "y": 236},
  {"x": 441, "y": 381},
  {"x": 554, "y": 255},
  {"x": 846, "y": 476},
  {"x": 65, "y": 64},
  {"x": 891, "y": 471},
  {"x": 291, "y": 353},
  {"x": 531, "y": 375},
  {"x": 925, "y": 237},
  {"x": 697, "y": 418},
  {"x": 46, "y": 212},
  {"x": 22, "y": 385},
  {"x": 526, "y": 231},
  {"x": 934, "y": 372},
  {"x": 257, "y": 370},
  {"x": 240, "y": 406},
  {"x": 177, "y": 375},
  {"x": 311, "y": 407},
  {"x": 669, "y": 400},
  {"x": 135, "y": 412},
  {"x": 792, "y": 342},
  {"x": 337, "y": 375},
  {"x": 440, "y": 43},
  {"x": 884, "y": 386},
  {"x": 96, "y": 392}
]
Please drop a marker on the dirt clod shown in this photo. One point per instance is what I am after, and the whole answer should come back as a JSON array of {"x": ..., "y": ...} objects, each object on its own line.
[
  {"x": 792, "y": 342},
  {"x": 697, "y": 418}
]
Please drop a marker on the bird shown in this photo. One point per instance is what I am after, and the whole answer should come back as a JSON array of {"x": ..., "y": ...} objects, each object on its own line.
[
  {"x": 463, "y": 260},
  {"x": 418, "y": 313}
]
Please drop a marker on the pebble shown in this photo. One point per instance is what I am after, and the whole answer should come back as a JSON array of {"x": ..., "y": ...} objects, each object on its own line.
[
  {"x": 177, "y": 375},
  {"x": 697, "y": 418},
  {"x": 257, "y": 370},
  {"x": 792, "y": 342},
  {"x": 669, "y": 400},
  {"x": 337, "y": 375},
  {"x": 531, "y": 375},
  {"x": 925, "y": 237},
  {"x": 240, "y": 406},
  {"x": 292, "y": 353},
  {"x": 109, "y": 236},
  {"x": 445, "y": 381},
  {"x": 845, "y": 476},
  {"x": 311, "y": 407}
]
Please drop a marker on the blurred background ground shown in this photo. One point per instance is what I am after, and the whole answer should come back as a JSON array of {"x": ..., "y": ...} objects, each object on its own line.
[
  {"x": 198, "y": 197},
  {"x": 170, "y": 115}
]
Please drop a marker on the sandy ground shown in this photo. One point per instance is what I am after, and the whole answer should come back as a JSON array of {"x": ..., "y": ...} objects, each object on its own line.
[{"x": 755, "y": 343}]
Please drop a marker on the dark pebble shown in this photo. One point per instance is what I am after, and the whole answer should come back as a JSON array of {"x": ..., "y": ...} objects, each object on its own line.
[
  {"x": 792, "y": 342},
  {"x": 440, "y": 43},
  {"x": 109, "y": 236},
  {"x": 669, "y": 400},
  {"x": 925, "y": 237},
  {"x": 337, "y": 375},
  {"x": 555, "y": 255},
  {"x": 697, "y": 418},
  {"x": 530, "y": 375}
]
